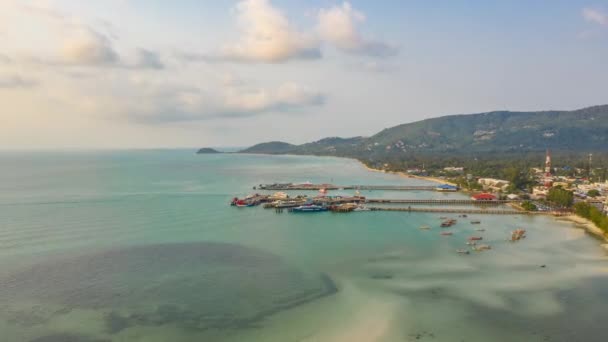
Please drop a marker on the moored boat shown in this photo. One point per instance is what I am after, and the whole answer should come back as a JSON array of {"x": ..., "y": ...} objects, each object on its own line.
[
  {"x": 481, "y": 248},
  {"x": 518, "y": 234},
  {"x": 309, "y": 208},
  {"x": 424, "y": 227},
  {"x": 446, "y": 233}
]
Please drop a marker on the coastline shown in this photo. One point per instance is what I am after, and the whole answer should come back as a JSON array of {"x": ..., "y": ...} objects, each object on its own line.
[
  {"x": 405, "y": 175},
  {"x": 587, "y": 225}
]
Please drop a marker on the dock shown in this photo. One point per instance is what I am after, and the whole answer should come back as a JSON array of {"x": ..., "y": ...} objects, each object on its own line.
[
  {"x": 438, "y": 202},
  {"x": 452, "y": 210},
  {"x": 307, "y": 186}
]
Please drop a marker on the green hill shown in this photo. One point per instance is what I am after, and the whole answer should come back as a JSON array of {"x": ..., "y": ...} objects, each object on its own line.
[
  {"x": 484, "y": 133},
  {"x": 207, "y": 150},
  {"x": 273, "y": 147}
]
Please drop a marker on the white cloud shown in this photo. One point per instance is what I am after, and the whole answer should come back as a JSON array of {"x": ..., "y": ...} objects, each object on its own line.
[
  {"x": 87, "y": 47},
  {"x": 5, "y": 59},
  {"x": 266, "y": 36},
  {"x": 596, "y": 16},
  {"x": 58, "y": 39},
  {"x": 162, "y": 103},
  {"x": 16, "y": 81},
  {"x": 147, "y": 59},
  {"x": 338, "y": 26}
]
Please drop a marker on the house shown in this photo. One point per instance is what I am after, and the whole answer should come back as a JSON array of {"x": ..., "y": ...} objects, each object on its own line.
[
  {"x": 512, "y": 197},
  {"x": 483, "y": 197},
  {"x": 494, "y": 184}
]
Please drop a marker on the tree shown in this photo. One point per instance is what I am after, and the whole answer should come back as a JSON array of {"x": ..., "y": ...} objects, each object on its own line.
[
  {"x": 593, "y": 193},
  {"x": 529, "y": 206},
  {"x": 560, "y": 197}
]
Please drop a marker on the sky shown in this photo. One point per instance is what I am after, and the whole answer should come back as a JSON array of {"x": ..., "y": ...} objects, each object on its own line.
[{"x": 188, "y": 73}]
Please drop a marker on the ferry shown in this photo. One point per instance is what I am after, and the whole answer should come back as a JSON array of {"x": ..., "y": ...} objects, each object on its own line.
[{"x": 310, "y": 208}]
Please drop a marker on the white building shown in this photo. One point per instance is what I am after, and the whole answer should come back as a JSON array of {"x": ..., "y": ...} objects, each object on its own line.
[{"x": 494, "y": 184}]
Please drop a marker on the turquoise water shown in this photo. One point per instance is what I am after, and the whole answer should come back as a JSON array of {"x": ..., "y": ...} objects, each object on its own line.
[{"x": 142, "y": 246}]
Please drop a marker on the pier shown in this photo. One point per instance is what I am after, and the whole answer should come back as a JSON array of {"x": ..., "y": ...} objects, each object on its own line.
[
  {"x": 438, "y": 202},
  {"x": 306, "y": 186},
  {"x": 452, "y": 210}
]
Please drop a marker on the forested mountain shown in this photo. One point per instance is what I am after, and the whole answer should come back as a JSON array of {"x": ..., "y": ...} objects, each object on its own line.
[{"x": 584, "y": 130}]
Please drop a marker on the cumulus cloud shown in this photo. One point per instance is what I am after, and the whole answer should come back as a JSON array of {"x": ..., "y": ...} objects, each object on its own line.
[
  {"x": 147, "y": 59},
  {"x": 15, "y": 81},
  {"x": 338, "y": 26},
  {"x": 4, "y": 59},
  {"x": 60, "y": 39},
  {"x": 267, "y": 36},
  {"x": 87, "y": 47},
  {"x": 596, "y": 16},
  {"x": 174, "y": 104}
]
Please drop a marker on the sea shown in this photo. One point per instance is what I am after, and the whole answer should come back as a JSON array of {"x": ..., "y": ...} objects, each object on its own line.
[{"x": 143, "y": 246}]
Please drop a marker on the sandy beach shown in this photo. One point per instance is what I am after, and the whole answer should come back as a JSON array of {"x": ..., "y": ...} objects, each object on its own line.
[
  {"x": 586, "y": 224},
  {"x": 407, "y": 175}
]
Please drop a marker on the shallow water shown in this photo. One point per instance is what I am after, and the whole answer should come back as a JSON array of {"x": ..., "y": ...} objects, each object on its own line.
[{"x": 142, "y": 246}]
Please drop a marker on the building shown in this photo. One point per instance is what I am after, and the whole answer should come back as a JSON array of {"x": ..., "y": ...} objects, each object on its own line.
[
  {"x": 452, "y": 169},
  {"x": 548, "y": 164},
  {"x": 493, "y": 184},
  {"x": 483, "y": 197}
]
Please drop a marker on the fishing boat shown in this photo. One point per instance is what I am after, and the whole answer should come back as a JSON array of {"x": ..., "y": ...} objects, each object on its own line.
[
  {"x": 481, "y": 248},
  {"x": 518, "y": 234},
  {"x": 446, "y": 233},
  {"x": 309, "y": 208},
  {"x": 448, "y": 223},
  {"x": 475, "y": 238},
  {"x": 471, "y": 243},
  {"x": 480, "y": 230},
  {"x": 463, "y": 251},
  {"x": 475, "y": 222},
  {"x": 243, "y": 203},
  {"x": 288, "y": 204},
  {"x": 424, "y": 227}
]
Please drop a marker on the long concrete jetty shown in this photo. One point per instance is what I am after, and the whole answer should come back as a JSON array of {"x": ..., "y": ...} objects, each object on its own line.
[
  {"x": 306, "y": 186},
  {"x": 452, "y": 210},
  {"x": 437, "y": 202}
]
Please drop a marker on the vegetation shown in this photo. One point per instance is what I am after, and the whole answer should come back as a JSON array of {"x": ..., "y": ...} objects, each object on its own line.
[
  {"x": 592, "y": 213},
  {"x": 206, "y": 150},
  {"x": 560, "y": 197},
  {"x": 529, "y": 206},
  {"x": 593, "y": 193},
  {"x": 273, "y": 147},
  {"x": 474, "y": 141}
]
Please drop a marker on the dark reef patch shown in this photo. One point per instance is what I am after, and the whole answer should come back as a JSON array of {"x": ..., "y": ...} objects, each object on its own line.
[
  {"x": 193, "y": 285},
  {"x": 61, "y": 337}
]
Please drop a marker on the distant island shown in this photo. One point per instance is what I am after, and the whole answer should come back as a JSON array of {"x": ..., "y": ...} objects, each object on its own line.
[{"x": 207, "y": 150}]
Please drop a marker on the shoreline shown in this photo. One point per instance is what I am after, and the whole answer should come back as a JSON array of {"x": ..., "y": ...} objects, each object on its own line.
[
  {"x": 577, "y": 221},
  {"x": 406, "y": 175},
  {"x": 588, "y": 226}
]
